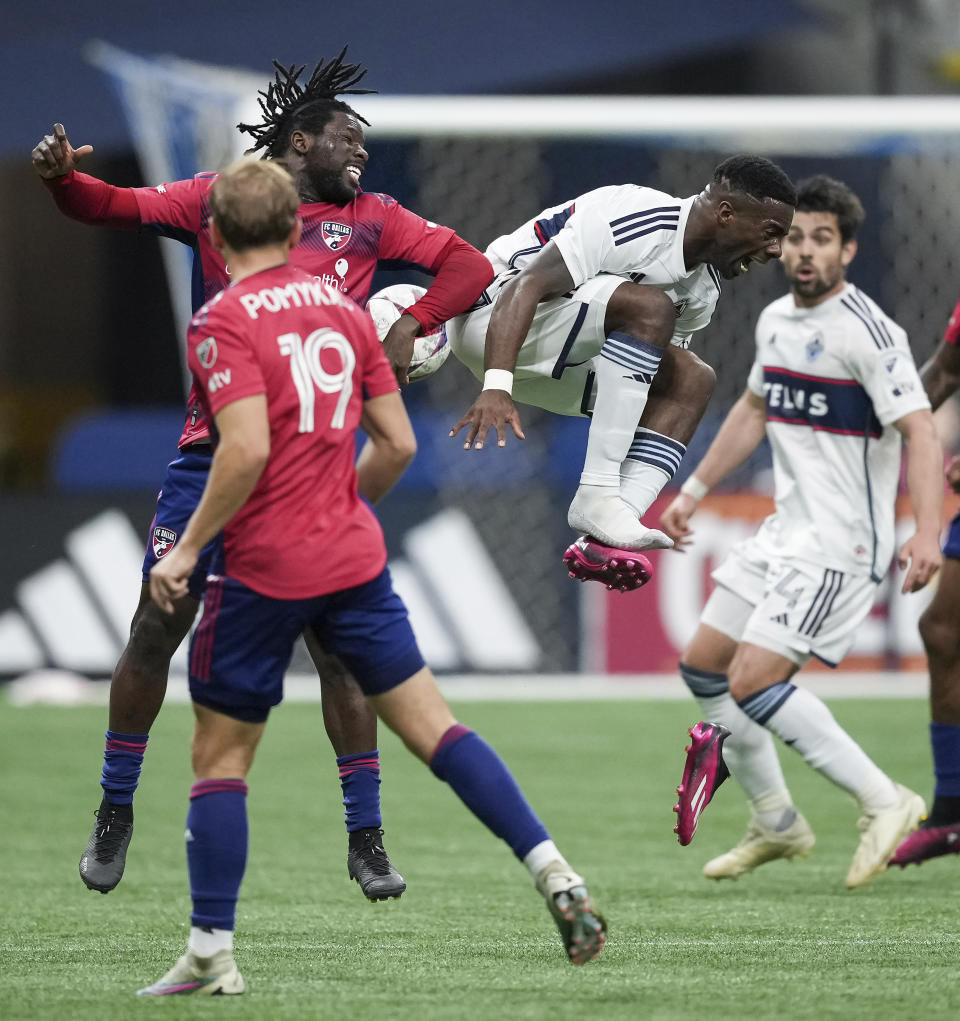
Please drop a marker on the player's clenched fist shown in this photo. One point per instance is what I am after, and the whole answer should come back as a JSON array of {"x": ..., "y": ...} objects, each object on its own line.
[
  {"x": 54, "y": 156},
  {"x": 675, "y": 519}
]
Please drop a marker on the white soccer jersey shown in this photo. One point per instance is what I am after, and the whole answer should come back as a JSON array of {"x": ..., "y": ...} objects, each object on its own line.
[
  {"x": 626, "y": 231},
  {"x": 834, "y": 378}
]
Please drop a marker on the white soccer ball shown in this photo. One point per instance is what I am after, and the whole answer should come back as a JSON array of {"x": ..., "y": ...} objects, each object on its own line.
[{"x": 386, "y": 307}]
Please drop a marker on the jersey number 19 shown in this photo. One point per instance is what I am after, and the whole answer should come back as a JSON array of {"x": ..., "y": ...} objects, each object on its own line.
[{"x": 307, "y": 372}]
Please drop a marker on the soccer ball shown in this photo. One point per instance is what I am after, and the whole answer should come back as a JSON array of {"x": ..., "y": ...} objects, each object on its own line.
[{"x": 386, "y": 307}]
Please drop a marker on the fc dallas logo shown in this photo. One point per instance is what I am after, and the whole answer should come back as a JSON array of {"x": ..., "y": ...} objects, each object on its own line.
[
  {"x": 336, "y": 235},
  {"x": 163, "y": 540}
]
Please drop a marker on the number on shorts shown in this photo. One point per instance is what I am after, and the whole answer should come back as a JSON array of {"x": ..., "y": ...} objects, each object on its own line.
[
  {"x": 792, "y": 596},
  {"x": 308, "y": 373}
]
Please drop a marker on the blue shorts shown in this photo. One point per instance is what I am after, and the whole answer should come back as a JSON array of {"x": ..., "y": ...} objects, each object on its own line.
[
  {"x": 243, "y": 644},
  {"x": 951, "y": 548},
  {"x": 182, "y": 488}
]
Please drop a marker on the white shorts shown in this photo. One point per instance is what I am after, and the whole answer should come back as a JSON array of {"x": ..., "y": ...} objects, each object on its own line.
[
  {"x": 792, "y": 607},
  {"x": 555, "y": 365}
]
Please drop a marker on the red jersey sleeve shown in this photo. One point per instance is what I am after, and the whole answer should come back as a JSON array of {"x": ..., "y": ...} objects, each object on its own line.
[
  {"x": 178, "y": 209},
  {"x": 222, "y": 357},
  {"x": 90, "y": 200},
  {"x": 461, "y": 271},
  {"x": 951, "y": 335}
]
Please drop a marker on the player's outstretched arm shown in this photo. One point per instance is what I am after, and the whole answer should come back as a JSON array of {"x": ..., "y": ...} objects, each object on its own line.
[
  {"x": 543, "y": 278},
  {"x": 54, "y": 156},
  {"x": 390, "y": 447},
  {"x": 741, "y": 433},
  {"x": 920, "y": 554},
  {"x": 941, "y": 374},
  {"x": 77, "y": 195}
]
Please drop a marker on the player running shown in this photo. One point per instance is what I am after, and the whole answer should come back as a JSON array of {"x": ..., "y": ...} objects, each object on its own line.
[
  {"x": 593, "y": 305},
  {"x": 939, "y": 833},
  {"x": 319, "y": 139},
  {"x": 288, "y": 369},
  {"x": 833, "y": 388}
]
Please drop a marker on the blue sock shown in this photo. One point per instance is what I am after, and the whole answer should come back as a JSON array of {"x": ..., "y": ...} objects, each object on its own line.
[
  {"x": 945, "y": 741},
  {"x": 216, "y": 850},
  {"x": 483, "y": 783},
  {"x": 122, "y": 761},
  {"x": 360, "y": 780}
]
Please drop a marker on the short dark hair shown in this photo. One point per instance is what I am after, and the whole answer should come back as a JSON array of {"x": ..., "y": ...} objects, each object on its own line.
[
  {"x": 254, "y": 203},
  {"x": 756, "y": 176},
  {"x": 289, "y": 106},
  {"x": 823, "y": 194}
]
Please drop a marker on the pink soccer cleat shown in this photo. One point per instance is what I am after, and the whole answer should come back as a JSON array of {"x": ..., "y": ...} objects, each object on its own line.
[
  {"x": 619, "y": 569},
  {"x": 703, "y": 772},
  {"x": 925, "y": 843}
]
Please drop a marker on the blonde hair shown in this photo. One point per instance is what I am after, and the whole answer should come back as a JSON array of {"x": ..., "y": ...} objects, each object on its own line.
[{"x": 254, "y": 203}]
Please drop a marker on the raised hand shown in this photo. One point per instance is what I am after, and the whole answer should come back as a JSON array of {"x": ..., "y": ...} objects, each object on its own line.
[{"x": 54, "y": 156}]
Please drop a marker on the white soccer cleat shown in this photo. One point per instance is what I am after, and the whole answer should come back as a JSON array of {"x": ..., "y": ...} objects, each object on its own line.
[
  {"x": 881, "y": 832},
  {"x": 761, "y": 845},
  {"x": 582, "y": 930},
  {"x": 205, "y": 976},
  {"x": 598, "y": 511}
]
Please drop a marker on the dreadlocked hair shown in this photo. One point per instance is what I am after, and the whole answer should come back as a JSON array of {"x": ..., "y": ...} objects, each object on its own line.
[{"x": 289, "y": 106}]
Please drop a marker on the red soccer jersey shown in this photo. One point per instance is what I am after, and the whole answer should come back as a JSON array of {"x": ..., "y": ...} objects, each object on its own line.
[
  {"x": 340, "y": 245},
  {"x": 304, "y": 531}
]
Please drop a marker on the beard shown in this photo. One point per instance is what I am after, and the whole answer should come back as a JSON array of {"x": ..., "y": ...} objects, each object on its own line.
[
  {"x": 331, "y": 187},
  {"x": 816, "y": 285}
]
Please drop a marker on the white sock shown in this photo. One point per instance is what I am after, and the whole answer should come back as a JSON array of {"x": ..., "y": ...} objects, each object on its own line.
[
  {"x": 625, "y": 369},
  {"x": 651, "y": 463},
  {"x": 541, "y": 856},
  {"x": 808, "y": 726},
  {"x": 206, "y": 942},
  {"x": 749, "y": 752}
]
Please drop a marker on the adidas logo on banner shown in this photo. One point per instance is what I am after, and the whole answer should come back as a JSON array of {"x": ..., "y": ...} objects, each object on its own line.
[{"x": 74, "y": 614}]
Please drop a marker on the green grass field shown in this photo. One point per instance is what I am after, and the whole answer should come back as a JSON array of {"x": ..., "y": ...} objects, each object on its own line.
[{"x": 470, "y": 938}]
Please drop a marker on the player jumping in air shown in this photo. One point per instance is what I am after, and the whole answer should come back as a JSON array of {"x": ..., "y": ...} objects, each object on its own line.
[
  {"x": 288, "y": 384},
  {"x": 834, "y": 388},
  {"x": 319, "y": 139},
  {"x": 593, "y": 305}
]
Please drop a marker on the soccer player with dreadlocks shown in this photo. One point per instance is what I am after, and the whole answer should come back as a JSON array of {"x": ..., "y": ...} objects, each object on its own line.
[{"x": 319, "y": 139}]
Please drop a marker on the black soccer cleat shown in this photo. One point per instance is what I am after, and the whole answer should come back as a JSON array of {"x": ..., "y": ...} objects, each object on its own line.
[
  {"x": 105, "y": 855},
  {"x": 369, "y": 864}
]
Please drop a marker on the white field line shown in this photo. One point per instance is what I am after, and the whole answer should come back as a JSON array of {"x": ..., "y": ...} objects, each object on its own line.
[{"x": 57, "y": 687}]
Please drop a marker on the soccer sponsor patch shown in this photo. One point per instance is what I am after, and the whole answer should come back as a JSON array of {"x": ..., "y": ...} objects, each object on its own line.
[
  {"x": 207, "y": 352},
  {"x": 336, "y": 235},
  {"x": 163, "y": 541}
]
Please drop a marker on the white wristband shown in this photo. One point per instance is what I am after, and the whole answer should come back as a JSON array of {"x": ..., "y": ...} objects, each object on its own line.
[
  {"x": 695, "y": 488},
  {"x": 498, "y": 379}
]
